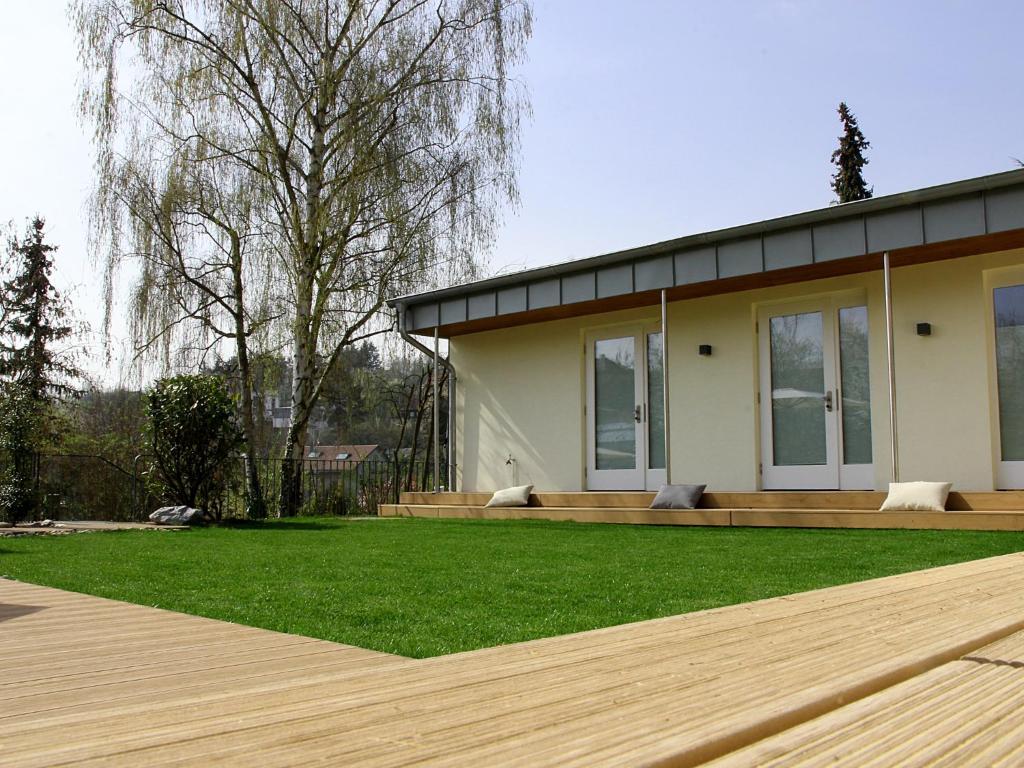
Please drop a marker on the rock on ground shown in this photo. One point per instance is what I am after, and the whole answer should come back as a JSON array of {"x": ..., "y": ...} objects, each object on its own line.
[{"x": 177, "y": 516}]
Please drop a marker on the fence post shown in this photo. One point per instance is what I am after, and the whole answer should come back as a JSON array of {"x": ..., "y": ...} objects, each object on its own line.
[
  {"x": 36, "y": 470},
  {"x": 135, "y": 475}
]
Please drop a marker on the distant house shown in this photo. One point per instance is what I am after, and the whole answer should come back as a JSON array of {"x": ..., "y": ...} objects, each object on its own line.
[
  {"x": 839, "y": 348},
  {"x": 333, "y": 465},
  {"x": 277, "y": 410}
]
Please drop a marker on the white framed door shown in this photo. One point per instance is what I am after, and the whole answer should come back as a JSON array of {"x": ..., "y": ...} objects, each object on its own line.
[
  {"x": 815, "y": 395},
  {"x": 1008, "y": 326},
  {"x": 625, "y": 409},
  {"x": 798, "y": 425}
]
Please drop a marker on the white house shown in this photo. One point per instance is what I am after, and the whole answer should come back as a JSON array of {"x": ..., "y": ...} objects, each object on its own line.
[{"x": 787, "y": 342}]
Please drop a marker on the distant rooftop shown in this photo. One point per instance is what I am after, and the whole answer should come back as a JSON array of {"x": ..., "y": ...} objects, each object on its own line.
[{"x": 339, "y": 452}]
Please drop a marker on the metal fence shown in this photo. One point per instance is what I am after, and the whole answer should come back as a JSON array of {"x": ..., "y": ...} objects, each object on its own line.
[
  {"x": 85, "y": 487},
  {"x": 344, "y": 487}
]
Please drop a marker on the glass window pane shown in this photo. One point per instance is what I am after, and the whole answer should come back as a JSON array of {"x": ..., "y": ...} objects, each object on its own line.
[
  {"x": 614, "y": 401},
  {"x": 1009, "y": 306},
  {"x": 798, "y": 389},
  {"x": 655, "y": 403},
  {"x": 854, "y": 385}
]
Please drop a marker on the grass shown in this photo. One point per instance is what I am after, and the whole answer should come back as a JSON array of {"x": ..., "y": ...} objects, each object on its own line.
[{"x": 428, "y": 587}]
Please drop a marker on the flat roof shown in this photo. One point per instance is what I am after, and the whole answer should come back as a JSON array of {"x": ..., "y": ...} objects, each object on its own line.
[{"x": 939, "y": 214}]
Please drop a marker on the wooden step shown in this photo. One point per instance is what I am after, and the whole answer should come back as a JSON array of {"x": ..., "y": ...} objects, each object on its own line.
[
  {"x": 960, "y": 520},
  {"x": 635, "y": 515},
  {"x": 970, "y": 520},
  {"x": 546, "y": 499},
  {"x": 781, "y": 500}
]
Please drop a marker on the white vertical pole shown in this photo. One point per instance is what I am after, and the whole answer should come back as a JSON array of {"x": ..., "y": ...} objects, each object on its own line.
[
  {"x": 452, "y": 395},
  {"x": 893, "y": 441},
  {"x": 437, "y": 413},
  {"x": 664, "y": 385}
]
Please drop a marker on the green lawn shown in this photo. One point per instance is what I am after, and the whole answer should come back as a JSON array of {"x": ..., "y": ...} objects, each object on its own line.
[{"x": 429, "y": 587}]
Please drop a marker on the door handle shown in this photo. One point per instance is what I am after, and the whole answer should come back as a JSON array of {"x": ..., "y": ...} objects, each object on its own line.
[
  {"x": 636, "y": 414},
  {"x": 828, "y": 401}
]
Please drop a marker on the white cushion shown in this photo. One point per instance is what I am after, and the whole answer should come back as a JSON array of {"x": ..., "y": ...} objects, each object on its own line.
[
  {"x": 916, "y": 497},
  {"x": 511, "y": 497}
]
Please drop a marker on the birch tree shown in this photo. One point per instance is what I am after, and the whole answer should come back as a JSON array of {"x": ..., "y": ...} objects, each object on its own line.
[{"x": 375, "y": 143}]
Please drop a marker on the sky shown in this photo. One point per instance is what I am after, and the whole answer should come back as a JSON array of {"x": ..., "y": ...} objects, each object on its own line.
[{"x": 651, "y": 119}]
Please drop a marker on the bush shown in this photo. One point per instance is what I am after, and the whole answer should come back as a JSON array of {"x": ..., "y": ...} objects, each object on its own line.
[
  {"x": 193, "y": 436},
  {"x": 19, "y": 427},
  {"x": 16, "y": 501}
]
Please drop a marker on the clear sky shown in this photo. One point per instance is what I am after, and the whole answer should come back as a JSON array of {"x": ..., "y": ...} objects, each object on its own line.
[{"x": 651, "y": 119}]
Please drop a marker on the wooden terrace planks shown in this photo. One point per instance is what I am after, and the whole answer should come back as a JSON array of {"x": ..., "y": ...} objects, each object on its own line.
[
  {"x": 94, "y": 682},
  {"x": 966, "y": 712}
]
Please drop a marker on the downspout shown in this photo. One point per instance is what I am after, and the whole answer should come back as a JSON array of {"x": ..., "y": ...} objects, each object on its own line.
[
  {"x": 437, "y": 413},
  {"x": 893, "y": 440},
  {"x": 664, "y": 387},
  {"x": 413, "y": 341}
]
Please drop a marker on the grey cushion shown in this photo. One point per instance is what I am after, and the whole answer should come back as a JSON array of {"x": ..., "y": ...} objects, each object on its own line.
[{"x": 678, "y": 497}]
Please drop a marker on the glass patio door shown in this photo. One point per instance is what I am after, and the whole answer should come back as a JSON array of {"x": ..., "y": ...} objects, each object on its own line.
[
  {"x": 815, "y": 397},
  {"x": 1008, "y": 303},
  {"x": 798, "y": 400},
  {"x": 624, "y": 411}
]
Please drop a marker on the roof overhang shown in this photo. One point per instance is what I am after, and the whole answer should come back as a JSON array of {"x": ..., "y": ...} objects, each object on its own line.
[{"x": 947, "y": 221}]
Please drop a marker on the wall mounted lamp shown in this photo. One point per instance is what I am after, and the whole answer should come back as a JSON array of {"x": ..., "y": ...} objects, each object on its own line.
[{"x": 704, "y": 350}]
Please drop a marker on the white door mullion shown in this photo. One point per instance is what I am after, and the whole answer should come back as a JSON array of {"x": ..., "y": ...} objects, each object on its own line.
[{"x": 654, "y": 478}]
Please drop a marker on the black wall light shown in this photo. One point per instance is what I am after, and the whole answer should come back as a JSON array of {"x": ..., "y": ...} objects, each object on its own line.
[
  {"x": 704, "y": 350},
  {"x": 924, "y": 329}
]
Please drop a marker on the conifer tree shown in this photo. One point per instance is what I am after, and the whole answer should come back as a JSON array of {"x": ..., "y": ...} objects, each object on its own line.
[
  {"x": 848, "y": 180},
  {"x": 37, "y": 321},
  {"x": 35, "y": 365}
]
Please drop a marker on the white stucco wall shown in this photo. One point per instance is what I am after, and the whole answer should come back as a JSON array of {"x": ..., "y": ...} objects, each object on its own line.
[
  {"x": 945, "y": 402},
  {"x": 521, "y": 390}
]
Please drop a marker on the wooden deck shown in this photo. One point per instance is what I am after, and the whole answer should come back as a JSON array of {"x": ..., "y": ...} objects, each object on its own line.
[
  {"x": 980, "y": 511},
  {"x": 907, "y": 664},
  {"x": 966, "y": 712}
]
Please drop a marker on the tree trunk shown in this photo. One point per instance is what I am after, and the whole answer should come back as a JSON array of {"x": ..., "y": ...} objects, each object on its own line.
[
  {"x": 290, "y": 496},
  {"x": 442, "y": 425},
  {"x": 305, "y": 327},
  {"x": 403, "y": 414},
  {"x": 428, "y": 486},
  {"x": 303, "y": 371},
  {"x": 255, "y": 505}
]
